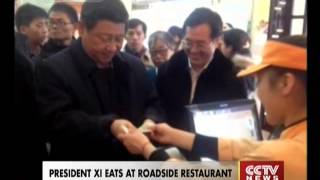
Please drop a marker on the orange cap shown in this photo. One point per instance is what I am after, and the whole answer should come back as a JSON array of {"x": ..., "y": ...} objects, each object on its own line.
[{"x": 280, "y": 55}]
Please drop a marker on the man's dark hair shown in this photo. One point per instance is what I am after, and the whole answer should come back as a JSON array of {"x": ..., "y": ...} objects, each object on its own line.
[
  {"x": 97, "y": 10},
  {"x": 27, "y": 13},
  {"x": 237, "y": 40},
  {"x": 205, "y": 16},
  {"x": 229, "y": 25},
  {"x": 67, "y": 9},
  {"x": 133, "y": 23},
  {"x": 176, "y": 31}
]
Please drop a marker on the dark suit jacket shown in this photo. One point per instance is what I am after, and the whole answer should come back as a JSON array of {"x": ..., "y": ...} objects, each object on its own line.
[
  {"x": 51, "y": 48},
  {"x": 29, "y": 143},
  {"x": 216, "y": 83},
  {"x": 77, "y": 127}
]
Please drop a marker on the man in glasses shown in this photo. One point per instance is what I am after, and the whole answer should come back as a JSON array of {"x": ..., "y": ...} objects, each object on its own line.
[
  {"x": 63, "y": 21},
  {"x": 161, "y": 48},
  {"x": 199, "y": 73},
  {"x": 91, "y": 92}
]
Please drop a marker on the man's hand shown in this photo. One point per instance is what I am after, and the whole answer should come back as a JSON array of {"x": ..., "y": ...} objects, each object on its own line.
[
  {"x": 121, "y": 126},
  {"x": 162, "y": 133},
  {"x": 165, "y": 134},
  {"x": 137, "y": 143}
]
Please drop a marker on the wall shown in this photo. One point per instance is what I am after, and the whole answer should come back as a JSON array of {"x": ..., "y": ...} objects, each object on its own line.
[
  {"x": 46, "y": 4},
  {"x": 260, "y": 13}
]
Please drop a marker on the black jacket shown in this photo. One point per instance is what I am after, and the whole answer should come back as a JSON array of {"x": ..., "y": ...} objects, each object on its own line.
[
  {"x": 216, "y": 83},
  {"x": 77, "y": 126},
  {"x": 23, "y": 46},
  {"x": 51, "y": 48},
  {"x": 28, "y": 140}
]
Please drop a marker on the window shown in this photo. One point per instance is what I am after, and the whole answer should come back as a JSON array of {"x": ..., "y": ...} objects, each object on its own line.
[{"x": 287, "y": 17}]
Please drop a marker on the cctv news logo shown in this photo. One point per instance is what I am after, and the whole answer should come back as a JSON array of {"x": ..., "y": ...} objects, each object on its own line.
[{"x": 261, "y": 170}]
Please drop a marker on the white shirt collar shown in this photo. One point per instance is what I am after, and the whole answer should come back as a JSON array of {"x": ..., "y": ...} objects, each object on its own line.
[{"x": 204, "y": 67}]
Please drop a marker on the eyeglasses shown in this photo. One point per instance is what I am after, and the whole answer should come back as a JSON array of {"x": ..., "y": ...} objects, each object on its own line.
[
  {"x": 162, "y": 51},
  {"x": 188, "y": 45},
  {"x": 58, "y": 23}
]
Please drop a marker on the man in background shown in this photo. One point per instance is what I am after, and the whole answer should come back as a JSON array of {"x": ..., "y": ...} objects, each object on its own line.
[
  {"x": 32, "y": 29},
  {"x": 63, "y": 22},
  {"x": 136, "y": 31}
]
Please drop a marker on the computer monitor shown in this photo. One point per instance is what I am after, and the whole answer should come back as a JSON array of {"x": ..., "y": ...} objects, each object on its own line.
[{"x": 229, "y": 119}]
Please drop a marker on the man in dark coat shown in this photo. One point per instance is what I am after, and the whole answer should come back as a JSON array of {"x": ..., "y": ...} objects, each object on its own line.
[
  {"x": 91, "y": 92},
  {"x": 31, "y": 22},
  {"x": 199, "y": 73},
  {"x": 29, "y": 143},
  {"x": 63, "y": 21}
]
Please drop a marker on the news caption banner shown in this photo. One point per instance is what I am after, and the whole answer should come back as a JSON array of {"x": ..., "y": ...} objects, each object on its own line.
[
  {"x": 100, "y": 170},
  {"x": 92, "y": 170}
]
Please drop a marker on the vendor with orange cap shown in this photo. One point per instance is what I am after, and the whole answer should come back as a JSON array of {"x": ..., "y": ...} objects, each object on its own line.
[{"x": 281, "y": 87}]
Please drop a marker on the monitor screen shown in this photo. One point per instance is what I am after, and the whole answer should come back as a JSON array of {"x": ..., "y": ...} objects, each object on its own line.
[{"x": 229, "y": 119}]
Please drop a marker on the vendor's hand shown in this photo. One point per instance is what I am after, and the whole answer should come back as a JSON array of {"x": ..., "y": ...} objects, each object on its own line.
[
  {"x": 121, "y": 126},
  {"x": 162, "y": 133},
  {"x": 135, "y": 142}
]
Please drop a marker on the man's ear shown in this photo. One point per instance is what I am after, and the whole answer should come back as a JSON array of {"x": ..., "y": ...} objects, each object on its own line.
[
  {"x": 23, "y": 29},
  {"x": 217, "y": 40},
  {"x": 76, "y": 26},
  {"x": 287, "y": 83},
  {"x": 144, "y": 36},
  {"x": 81, "y": 28}
]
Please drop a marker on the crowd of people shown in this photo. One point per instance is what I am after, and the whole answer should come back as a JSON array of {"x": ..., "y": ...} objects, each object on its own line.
[{"x": 90, "y": 94}]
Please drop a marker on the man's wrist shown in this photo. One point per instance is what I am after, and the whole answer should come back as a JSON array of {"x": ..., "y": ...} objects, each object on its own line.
[{"x": 147, "y": 150}]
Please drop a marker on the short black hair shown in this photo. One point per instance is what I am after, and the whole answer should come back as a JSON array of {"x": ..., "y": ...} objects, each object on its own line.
[
  {"x": 276, "y": 72},
  {"x": 97, "y": 10},
  {"x": 27, "y": 13},
  {"x": 176, "y": 31},
  {"x": 133, "y": 23},
  {"x": 67, "y": 9},
  {"x": 229, "y": 25},
  {"x": 237, "y": 40},
  {"x": 205, "y": 16}
]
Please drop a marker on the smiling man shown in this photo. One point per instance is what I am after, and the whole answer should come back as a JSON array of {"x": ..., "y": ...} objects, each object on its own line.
[
  {"x": 199, "y": 73},
  {"x": 91, "y": 92}
]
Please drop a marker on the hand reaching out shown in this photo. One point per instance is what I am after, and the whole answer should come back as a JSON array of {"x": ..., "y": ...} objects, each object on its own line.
[
  {"x": 121, "y": 126},
  {"x": 137, "y": 143},
  {"x": 162, "y": 133}
]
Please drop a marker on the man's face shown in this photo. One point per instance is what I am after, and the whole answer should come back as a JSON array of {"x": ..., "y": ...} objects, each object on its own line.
[
  {"x": 135, "y": 37},
  {"x": 60, "y": 26},
  {"x": 198, "y": 44},
  {"x": 160, "y": 52},
  {"x": 37, "y": 31},
  {"x": 103, "y": 41},
  {"x": 269, "y": 97}
]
